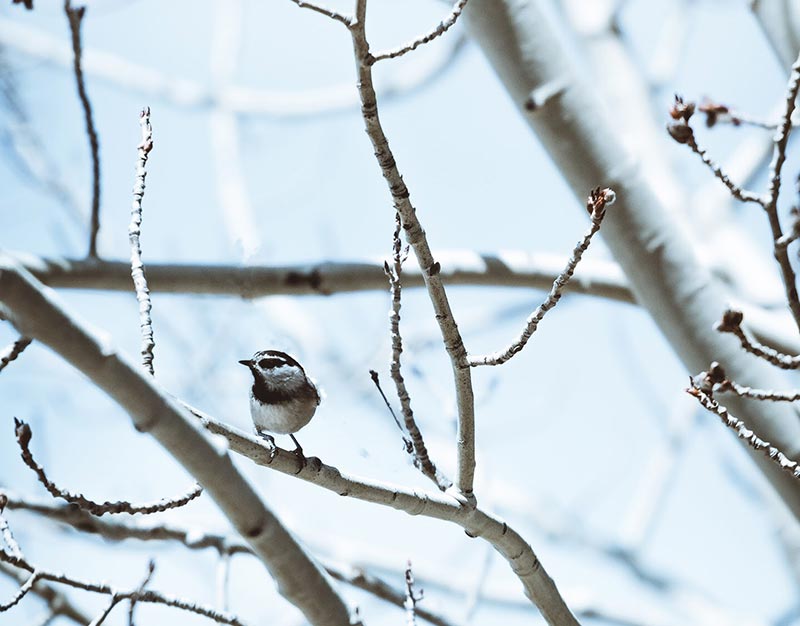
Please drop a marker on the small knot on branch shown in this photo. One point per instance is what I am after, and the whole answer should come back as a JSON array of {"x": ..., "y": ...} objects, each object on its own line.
[{"x": 731, "y": 321}]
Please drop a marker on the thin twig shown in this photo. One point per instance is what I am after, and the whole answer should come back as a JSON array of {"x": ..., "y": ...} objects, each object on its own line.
[
  {"x": 115, "y": 600},
  {"x": 21, "y": 592},
  {"x": 682, "y": 132},
  {"x": 781, "y": 141},
  {"x": 738, "y": 426},
  {"x": 718, "y": 113},
  {"x": 148, "y": 595},
  {"x": 24, "y": 435},
  {"x": 415, "y": 236},
  {"x": 11, "y": 352},
  {"x": 196, "y": 539},
  {"x": 134, "y": 231},
  {"x": 422, "y": 459},
  {"x": 334, "y": 15},
  {"x": 75, "y": 17},
  {"x": 58, "y": 603},
  {"x": 732, "y": 323},
  {"x": 5, "y": 531},
  {"x": 408, "y": 446},
  {"x": 596, "y": 204},
  {"x": 440, "y": 29},
  {"x": 716, "y": 381},
  {"x": 736, "y": 191},
  {"x": 151, "y": 568},
  {"x": 411, "y": 598}
]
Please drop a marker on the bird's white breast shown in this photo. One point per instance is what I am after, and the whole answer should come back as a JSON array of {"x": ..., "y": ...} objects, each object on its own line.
[{"x": 282, "y": 418}]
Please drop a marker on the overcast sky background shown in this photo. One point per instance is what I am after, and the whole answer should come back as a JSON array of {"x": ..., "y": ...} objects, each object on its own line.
[{"x": 564, "y": 430}]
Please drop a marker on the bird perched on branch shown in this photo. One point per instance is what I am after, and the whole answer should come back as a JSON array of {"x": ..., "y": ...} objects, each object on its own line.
[{"x": 283, "y": 398}]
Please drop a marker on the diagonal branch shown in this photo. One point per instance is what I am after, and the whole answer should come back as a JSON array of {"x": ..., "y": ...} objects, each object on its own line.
[
  {"x": 440, "y": 30},
  {"x": 37, "y": 314},
  {"x": 731, "y": 322},
  {"x": 538, "y": 585},
  {"x": 598, "y": 200},
  {"x": 745, "y": 434},
  {"x": 10, "y": 353}
]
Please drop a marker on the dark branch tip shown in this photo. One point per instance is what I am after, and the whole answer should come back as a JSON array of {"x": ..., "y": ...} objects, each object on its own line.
[{"x": 731, "y": 321}]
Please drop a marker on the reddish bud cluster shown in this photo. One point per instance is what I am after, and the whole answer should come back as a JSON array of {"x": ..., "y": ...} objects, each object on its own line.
[
  {"x": 598, "y": 200},
  {"x": 713, "y": 110},
  {"x": 681, "y": 112}
]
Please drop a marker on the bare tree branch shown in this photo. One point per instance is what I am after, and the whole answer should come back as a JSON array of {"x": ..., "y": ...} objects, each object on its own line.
[
  {"x": 741, "y": 430},
  {"x": 415, "y": 235},
  {"x": 684, "y": 299},
  {"x": 24, "y": 435},
  {"x": 134, "y": 231},
  {"x": 781, "y": 140},
  {"x": 103, "y": 588},
  {"x": 197, "y": 539},
  {"x": 598, "y": 200},
  {"x": 75, "y": 17},
  {"x": 731, "y": 322},
  {"x": 10, "y": 353},
  {"x": 538, "y": 585},
  {"x": 421, "y": 457},
  {"x": 441, "y": 29},
  {"x": 37, "y": 314},
  {"x": 58, "y": 603}
]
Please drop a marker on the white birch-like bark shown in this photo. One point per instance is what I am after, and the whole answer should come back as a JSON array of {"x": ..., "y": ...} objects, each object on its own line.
[
  {"x": 35, "y": 311},
  {"x": 683, "y": 298}
]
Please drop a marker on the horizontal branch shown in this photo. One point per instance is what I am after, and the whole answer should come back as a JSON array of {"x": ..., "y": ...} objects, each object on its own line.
[
  {"x": 196, "y": 539},
  {"x": 505, "y": 269},
  {"x": 459, "y": 268}
]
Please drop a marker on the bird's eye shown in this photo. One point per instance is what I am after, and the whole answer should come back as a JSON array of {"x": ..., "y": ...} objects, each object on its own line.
[
  {"x": 263, "y": 364},
  {"x": 270, "y": 363}
]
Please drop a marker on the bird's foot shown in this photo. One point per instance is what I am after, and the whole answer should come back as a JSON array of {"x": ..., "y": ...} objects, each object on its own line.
[
  {"x": 270, "y": 440},
  {"x": 298, "y": 452}
]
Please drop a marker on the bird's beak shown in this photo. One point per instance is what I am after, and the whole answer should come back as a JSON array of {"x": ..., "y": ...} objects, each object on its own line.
[{"x": 246, "y": 362}]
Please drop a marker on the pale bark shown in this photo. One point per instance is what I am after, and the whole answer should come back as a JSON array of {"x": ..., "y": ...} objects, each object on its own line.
[
  {"x": 35, "y": 311},
  {"x": 681, "y": 295}
]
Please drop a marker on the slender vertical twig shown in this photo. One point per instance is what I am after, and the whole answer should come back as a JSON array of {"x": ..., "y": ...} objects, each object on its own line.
[
  {"x": 421, "y": 457},
  {"x": 415, "y": 235},
  {"x": 151, "y": 568},
  {"x": 75, "y": 17},
  {"x": 134, "y": 230},
  {"x": 781, "y": 141},
  {"x": 411, "y": 598}
]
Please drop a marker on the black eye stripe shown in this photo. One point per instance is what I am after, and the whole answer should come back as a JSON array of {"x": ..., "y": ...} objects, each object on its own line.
[{"x": 269, "y": 363}]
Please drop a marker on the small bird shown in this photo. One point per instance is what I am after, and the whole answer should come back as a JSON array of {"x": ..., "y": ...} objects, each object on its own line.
[{"x": 283, "y": 398}]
